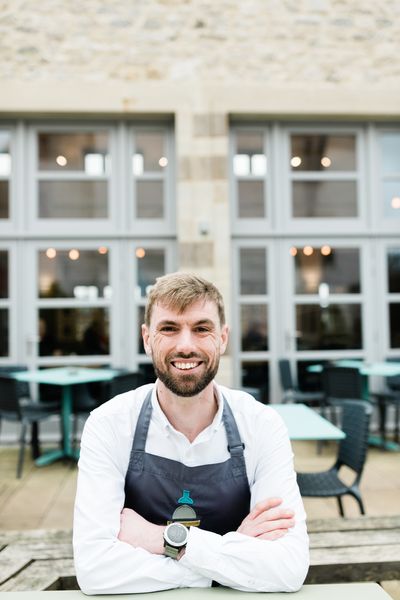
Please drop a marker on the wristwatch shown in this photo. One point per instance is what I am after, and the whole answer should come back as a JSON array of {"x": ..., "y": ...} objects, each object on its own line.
[{"x": 175, "y": 538}]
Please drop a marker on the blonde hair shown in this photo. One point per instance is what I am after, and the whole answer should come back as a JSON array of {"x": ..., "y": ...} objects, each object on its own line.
[{"x": 179, "y": 290}]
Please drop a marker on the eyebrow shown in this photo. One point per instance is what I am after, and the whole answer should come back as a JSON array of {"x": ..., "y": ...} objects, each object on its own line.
[{"x": 165, "y": 322}]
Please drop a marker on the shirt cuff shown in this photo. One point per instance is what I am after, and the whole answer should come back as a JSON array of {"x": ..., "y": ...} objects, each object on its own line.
[{"x": 203, "y": 551}]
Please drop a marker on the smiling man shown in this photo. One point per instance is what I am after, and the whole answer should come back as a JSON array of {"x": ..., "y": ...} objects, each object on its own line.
[{"x": 186, "y": 483}]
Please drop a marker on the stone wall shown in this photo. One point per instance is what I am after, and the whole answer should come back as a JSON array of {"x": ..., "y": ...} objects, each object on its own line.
[{"x": 325, "y": 42}]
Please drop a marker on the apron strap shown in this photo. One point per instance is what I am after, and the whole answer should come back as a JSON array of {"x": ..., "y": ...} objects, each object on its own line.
[
  {"x": 139, "y": 439},
  {"x": 235, "y": 444}
]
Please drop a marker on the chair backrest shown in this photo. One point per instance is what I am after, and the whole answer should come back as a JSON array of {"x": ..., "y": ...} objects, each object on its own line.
[
  {"x": 342, "y": 382},
  {"x": 22, "y": 386},
  {"x": 125, "y": 382},
  {"x": 9, "y": 396},
  {"x": 353, "y": 448},
  {"x": 393, "y": 382},
  {"x": 285, "y": 374}
]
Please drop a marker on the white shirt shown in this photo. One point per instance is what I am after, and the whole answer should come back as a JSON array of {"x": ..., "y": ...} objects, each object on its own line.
[{"x": 106, "y": 565}]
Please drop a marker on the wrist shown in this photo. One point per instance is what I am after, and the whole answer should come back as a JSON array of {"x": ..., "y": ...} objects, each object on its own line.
[{"x": 158, "y": 542}]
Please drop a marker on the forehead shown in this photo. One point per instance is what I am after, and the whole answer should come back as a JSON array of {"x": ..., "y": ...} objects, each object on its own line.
[{"x": 197, "y": 311}]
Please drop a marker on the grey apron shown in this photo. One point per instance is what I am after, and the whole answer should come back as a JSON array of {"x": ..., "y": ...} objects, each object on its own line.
[{"x": 216, "y": 497}]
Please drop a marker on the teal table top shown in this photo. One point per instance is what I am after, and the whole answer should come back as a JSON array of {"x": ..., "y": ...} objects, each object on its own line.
[
  {"x": 304, "y": 423},
  {"x": 65, "y": 375},
  {"x": 382, "y": 369}
]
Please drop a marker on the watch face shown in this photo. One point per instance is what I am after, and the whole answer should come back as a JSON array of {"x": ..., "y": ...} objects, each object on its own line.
[{"x": 176, "y": 534}]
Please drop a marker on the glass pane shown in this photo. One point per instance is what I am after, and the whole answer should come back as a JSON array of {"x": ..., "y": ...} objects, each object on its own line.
[
  {"x": 4, "y": 350},
  {"x": 253, "y": 271},
  {"x": 69, "y": 331},
  {"x": 325, "y": 270},
  {"x": 394, "y": 316},
  {"x": 323, "y": 153},
  {"x": 149, "y": 199},
  {"x": 338, "y": 326},
  {"x": 256, "y": 375},
  {"x": 251, "y": 199},
  {"x": 5, "y": 154},
  {"x": 394, "y": 271},
  {"x": 86, "y": 152},
  {"x": 4, "y": 274},
  {"x": 4, "y": 213},
  {"x": 149, "y": 152},
  {"x": 81, "y": 274},
  {"x": 249, "y": 158},
  {"x": 254, "y": 327},
  {"x": 150, "y": 265},
  {"x": 391, "y": 199},
  {"x": 324, "y": 199},
  {"x": 140, "y": 323},
  {"x": 73, "y": 199},
  {"x": 390, "y": 144}
]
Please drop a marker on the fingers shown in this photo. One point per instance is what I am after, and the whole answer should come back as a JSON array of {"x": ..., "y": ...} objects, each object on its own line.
[{"x": 273, "y": 535}]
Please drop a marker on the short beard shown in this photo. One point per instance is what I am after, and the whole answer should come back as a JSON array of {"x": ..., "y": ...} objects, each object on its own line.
[{"x": 192, "y": 387}]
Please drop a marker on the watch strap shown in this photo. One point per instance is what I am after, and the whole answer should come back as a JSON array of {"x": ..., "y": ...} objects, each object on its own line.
[{"x": 171, "y": 551}]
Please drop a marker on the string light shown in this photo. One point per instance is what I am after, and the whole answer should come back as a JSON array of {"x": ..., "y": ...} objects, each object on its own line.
[
  {"x": 140, "y": 252},
  {"x": 73, "y": 254},
  {"x": 61, "y": 161},
  {"x": 51, "y": 253},
  {"x": 308, "y": 250}
]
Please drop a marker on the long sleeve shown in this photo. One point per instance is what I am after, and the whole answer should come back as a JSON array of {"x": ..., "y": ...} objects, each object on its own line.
[
  {"x": 103, "y": 564},
  {"x": 247, "y": 563}
]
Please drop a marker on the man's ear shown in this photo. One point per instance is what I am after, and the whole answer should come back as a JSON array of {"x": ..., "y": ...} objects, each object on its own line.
[
  {"x": 224, "y": 338},
  {"x": 146, "y": 336}
]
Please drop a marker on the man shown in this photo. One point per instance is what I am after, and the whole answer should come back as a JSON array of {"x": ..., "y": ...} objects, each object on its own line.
[{"x": 185, "y": 483}]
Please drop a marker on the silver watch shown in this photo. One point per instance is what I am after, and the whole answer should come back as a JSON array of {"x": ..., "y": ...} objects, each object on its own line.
[{"x": 175, "y": 538}]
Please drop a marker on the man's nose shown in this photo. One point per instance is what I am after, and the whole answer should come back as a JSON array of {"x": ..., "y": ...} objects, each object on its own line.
[{"x": 185, "y": 342}]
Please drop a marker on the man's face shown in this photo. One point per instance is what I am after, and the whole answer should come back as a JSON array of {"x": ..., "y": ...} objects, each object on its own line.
[{"x": 185, "y": 347}]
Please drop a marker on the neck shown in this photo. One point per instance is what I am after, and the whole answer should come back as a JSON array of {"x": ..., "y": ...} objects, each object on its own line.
[{"x": 189, "y": 415}]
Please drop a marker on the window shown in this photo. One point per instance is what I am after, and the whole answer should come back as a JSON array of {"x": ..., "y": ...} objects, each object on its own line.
[
  {"x": 393, "y": 286},
  {"x": 4, "y": 304},
  {"x": 390, "y": 174},
  {"x": 5, "y": 173}
]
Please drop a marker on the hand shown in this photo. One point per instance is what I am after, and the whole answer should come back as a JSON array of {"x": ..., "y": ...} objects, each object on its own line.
[
  {"x": 266, "y": 521},
  {"x": 140, "y": 533}
]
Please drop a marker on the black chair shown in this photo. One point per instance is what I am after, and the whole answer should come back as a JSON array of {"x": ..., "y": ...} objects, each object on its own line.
[
  {"x": 291, "y": 392},
  {"x": 17, "y": 408},
  {"x": 390, "y": 396},
  {"x": 340, "y": 383},
  {"x": 125, "y": 382},
  {"x": 352, "y": 453}
]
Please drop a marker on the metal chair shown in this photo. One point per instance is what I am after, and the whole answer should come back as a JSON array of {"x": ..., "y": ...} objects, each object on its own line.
[
  {"x": 352, "y": 453},
  {"x": 14, "y": 407},
  {"x": 339, "y": 383},
  {"x": 291, "y": 392},
  {"x": 125, "y": 382},
  {"x": 390, "y": 396}
]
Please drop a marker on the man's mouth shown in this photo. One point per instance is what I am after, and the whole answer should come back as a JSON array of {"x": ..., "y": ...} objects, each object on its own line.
[{"x": 185, "y": 366}]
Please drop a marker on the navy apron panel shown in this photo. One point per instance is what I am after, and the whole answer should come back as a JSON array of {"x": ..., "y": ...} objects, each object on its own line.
[{"x": 218, "y": 493}]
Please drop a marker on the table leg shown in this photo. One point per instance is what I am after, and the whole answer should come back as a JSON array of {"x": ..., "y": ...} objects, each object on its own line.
[{"x": 67, "y": 450}]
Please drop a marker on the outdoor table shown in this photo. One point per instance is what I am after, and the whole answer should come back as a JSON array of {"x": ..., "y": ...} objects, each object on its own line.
[
  {"x": 304, "y": 423},
  {"x": 65, "y": 377},
  {"x": 350, "y": 591}
]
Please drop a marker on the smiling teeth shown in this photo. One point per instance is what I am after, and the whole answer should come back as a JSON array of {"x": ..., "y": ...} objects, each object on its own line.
[{"x": 185, "y": 365}]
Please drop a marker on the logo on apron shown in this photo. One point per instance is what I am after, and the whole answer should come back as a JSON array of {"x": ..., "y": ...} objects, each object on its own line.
[{"x": 185, "y": 513}]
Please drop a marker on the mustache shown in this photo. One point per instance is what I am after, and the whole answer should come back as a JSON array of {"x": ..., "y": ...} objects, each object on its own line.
[{"x": 186, "y": 356}]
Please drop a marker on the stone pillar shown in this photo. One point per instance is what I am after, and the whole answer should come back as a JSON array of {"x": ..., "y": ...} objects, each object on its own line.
[{"x": 202, "y": 204}]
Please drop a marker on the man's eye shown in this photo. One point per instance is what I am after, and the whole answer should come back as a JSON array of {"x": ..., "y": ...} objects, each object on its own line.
[
  {"x": 202, "y": 329},
  {"x": 168, "y": 328}
]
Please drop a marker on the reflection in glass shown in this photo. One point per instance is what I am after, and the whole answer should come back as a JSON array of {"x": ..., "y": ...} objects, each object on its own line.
[
  {"x": 140, "y": 323},
  {"x": 394, "y": 270},
  {"x": 60, "y": 277},
  {"x": 85, "y": 151},
  {"x": 69, "y": 331},
  {"x": 391, "y": 199},
  {"x": 4, "y": 213},
  {"x": 256, "y": 375},
  {"x": 254, "y": 329},
  {"x": 324, "y": 199},
  {"x": 320, "y": 152},
  {"x": 339, "y": 270},
  {"x": 249, "y": 158},
  {"x": 73, "y": 199},
  {"x": 394, "y": 319},
  {"x": 337, "y": 326},
  {"x": 251, "y": 199},
  {"x": 4, "y": 274},
  {"x": 4, "y": 350},
  {"x": 150, "y": 265},
  {"x": 149, "y": 152},
  {"x": 253, "y": 271},
  {"x": 390, "y": 144},
  {"x": 149, "y": 199}
]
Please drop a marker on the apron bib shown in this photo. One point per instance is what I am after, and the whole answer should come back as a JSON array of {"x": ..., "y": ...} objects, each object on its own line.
[{"x": 215, "y": 497}]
